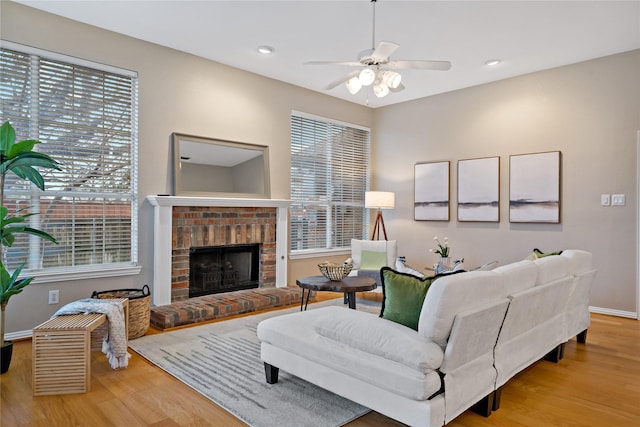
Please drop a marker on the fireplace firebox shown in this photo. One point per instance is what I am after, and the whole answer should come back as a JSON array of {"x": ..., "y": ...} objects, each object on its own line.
[{"x": 224, "y": 268}]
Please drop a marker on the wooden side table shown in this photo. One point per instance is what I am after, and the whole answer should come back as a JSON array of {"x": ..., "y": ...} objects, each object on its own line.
[{"x": 349, "y": 286}]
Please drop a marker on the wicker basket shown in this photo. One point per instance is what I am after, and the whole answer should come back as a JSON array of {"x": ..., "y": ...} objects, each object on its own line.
[
  {"x": 139, "y": 308},
  {"x": 335, "y": 272}
]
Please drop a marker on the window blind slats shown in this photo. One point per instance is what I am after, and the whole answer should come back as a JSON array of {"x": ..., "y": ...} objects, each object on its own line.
[
  {"x": 85, "y": 119},
  {"x": 329, "y": 176}
]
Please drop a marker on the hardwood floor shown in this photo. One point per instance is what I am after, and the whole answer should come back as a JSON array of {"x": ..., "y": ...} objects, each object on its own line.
[{"x": 597, "y": 384}]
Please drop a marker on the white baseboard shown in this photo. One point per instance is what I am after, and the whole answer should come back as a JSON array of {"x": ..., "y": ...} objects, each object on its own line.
[{"x": 610, "y": 312}]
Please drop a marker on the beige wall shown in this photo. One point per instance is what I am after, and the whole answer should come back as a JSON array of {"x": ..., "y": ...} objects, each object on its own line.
[
  {"x": 178, "y": 93},
  {"x": 589, "y": 111}
]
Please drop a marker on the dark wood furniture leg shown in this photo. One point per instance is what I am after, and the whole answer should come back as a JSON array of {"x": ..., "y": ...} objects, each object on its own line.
[
  {"x": 496, "y": 398},
  {"x": 484, "y": 406},
  {"x": 271, "y": 372},
  {"x": 556, "y": 354},
  {"x": 351, "y": 299},
  {"x": 582, "y": 337},
  {"x": 304, "y": 303}
]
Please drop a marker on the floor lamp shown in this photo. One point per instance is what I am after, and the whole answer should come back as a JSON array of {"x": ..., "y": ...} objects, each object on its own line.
[{"x": 379, "y": 200}]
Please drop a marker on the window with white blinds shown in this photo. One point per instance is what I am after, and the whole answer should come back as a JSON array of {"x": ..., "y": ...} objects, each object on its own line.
[
  {"x": 329, "y": 176},
  {"x": 85, "y": 116}
]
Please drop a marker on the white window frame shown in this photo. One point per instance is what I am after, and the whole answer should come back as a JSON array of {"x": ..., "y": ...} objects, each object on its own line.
[
  {"x": 329, "y": 251},
  {"x": 68, "y": 273}
]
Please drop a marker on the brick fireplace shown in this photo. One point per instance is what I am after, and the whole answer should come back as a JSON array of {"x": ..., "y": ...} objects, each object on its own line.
[
  {"x": 184, "y": 222},
  {"x": 212, "y": 226}
]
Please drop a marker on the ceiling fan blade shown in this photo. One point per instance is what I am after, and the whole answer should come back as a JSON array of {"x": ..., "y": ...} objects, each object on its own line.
[
  {"x": 384, "y": 51},
  {"x": 347, "y": 63},
  {"x": 398, "y": 89},
  {"x": 342, "y": 79},
  {"x": 420, "y": 64}
]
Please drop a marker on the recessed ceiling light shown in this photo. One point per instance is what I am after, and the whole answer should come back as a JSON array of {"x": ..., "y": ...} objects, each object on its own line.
[
  {"x": 492, "y": 62},
  {"x": 266, "y": 50}
]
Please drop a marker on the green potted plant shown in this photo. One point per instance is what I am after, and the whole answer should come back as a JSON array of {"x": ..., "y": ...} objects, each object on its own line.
[{"x": 20, "y": 159}]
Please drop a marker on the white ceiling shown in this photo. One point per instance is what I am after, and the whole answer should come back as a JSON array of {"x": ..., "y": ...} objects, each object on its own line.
[{"x": 527, "y": 36}]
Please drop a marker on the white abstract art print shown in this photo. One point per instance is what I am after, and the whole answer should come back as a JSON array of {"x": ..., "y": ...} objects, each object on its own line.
[
  {"x": 534, "y": 187},
  {"x": 431, "y": 202},
  {"x": 479, "y": 189}
]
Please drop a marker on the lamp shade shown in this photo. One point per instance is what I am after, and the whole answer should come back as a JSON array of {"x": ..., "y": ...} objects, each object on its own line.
[{"x": 379, "y": 199}]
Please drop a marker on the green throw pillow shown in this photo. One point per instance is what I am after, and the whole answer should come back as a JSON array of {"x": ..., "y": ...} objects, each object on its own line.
[
  {"x": 403, "y": 295},
  {"x": 540, "y": 254},
  {"x": 372, "y": 260}
]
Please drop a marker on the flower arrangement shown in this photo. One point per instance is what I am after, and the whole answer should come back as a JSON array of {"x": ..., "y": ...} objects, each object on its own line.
[{"x": 442, "y": 249}]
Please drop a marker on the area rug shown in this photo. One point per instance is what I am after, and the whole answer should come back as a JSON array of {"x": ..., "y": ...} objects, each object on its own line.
[{"x": 222, "y": 362}]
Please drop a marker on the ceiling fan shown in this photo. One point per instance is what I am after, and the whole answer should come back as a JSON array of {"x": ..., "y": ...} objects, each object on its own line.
[{"x": 376, "y": 68}]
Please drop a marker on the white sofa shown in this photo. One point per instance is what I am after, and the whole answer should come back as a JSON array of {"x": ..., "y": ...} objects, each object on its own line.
[{"x": 476, "y": 330}]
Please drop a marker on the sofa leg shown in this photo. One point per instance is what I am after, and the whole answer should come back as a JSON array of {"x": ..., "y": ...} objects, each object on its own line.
[
  {"x": 582, "y": 337},
  {"x": 271, "y": 372},
  {"x": 556, "y": 354},
  {"x": 496, "y": 398},
  {"x": 484, "y": 406}
]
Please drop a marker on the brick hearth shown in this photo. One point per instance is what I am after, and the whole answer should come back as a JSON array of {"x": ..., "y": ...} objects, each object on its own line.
[{"x": 210, "y": 307}]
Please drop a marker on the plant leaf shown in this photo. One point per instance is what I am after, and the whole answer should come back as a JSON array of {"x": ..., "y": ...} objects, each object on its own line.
[
  {"x": 27, "y": 172},
  {"x": 23, "y": 146},
  {"x": 7, "y": 138}
]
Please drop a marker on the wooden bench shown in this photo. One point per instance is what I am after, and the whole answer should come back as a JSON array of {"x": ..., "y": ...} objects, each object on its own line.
[{"x": 62, "y": 352}]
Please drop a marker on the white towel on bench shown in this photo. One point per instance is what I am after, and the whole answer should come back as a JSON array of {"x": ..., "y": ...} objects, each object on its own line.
[{"x": 114, "y": 344}]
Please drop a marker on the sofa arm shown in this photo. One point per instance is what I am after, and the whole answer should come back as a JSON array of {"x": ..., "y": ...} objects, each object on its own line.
[{"x": 380, "y": 337}]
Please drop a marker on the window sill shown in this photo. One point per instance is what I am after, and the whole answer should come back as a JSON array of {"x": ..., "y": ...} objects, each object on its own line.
[{"x": 81, "y": 274}]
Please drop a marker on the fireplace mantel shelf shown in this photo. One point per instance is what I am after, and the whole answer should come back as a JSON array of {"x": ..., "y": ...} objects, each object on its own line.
[
  {"x": 162, "y": 228},
  {"x": 216, "y": 201}
]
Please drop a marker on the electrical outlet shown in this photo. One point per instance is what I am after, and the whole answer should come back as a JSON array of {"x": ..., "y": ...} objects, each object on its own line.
[
  {"x": 605, "y": 199},
  {"x": 54, "y": 297}
]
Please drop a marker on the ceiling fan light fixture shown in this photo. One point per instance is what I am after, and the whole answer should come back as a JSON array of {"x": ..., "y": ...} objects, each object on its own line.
[
  {"x": 367, "y": 76},
  {"x": 391, "y": 79},
  {"x": 353, "y": 85},
  {"x": 380, "y": 89}
]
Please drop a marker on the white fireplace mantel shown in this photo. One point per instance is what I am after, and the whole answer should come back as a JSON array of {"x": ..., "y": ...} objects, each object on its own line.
[{"x": 162, "y": 225}]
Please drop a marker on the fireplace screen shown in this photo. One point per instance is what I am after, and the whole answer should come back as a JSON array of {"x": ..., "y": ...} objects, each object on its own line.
[{"x": 217, "y": 269}]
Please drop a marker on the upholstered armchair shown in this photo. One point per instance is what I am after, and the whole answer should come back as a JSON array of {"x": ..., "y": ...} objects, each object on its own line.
[{"x": 369, "y": 256}]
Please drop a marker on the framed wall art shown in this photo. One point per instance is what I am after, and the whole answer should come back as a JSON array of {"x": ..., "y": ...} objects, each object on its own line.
[
  {"x": 431, "y": 201},
  {"x": 479, "y": 189},
  {"x": 534, "y": 187}
]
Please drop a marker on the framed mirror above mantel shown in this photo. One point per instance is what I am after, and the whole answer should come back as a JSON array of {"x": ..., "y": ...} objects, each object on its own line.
[{"x": 210, "y": 167}]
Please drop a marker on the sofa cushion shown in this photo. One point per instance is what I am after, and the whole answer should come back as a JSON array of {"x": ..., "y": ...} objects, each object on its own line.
[
  {"x": 382, "y": 338},
  {"x": 579, "y": 261},
  {"x": 373, "y": 260},
  {"x": 452, "y": 294},
  {"x": 551, "y": 268},
  {"x": 517, "y": 276},
  {"x": 403, "y": 295},
  {"x": 295, "y": 333}
]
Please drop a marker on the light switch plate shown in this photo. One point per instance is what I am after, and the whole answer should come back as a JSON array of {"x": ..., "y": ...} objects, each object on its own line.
[
  {"x": 618, "y": 200},
  {"x": 605, "y": 199}
]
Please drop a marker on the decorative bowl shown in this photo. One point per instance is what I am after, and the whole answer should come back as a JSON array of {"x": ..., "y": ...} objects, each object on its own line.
[{"x": 335, "y": 272}]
